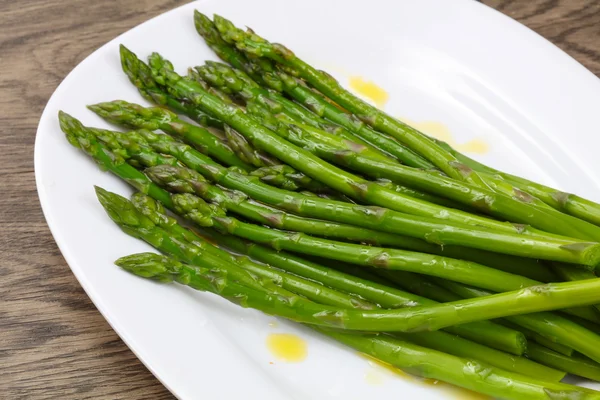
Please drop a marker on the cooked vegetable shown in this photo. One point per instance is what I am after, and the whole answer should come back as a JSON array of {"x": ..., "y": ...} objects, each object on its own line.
[{"x": 280, "y": 174}]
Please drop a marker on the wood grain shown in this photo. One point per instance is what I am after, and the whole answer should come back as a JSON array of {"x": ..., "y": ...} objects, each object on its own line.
[{"x": 53, "y": 342}]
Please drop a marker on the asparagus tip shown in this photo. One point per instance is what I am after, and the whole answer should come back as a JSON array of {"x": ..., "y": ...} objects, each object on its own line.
[
  {"x": 118, "y": 208},
  {"x": 148, "y": 265},
  {"x": 70, "y": 126}
]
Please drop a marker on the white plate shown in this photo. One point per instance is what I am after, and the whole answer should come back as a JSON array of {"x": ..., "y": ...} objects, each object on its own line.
[{"x": 459, "y": 63}]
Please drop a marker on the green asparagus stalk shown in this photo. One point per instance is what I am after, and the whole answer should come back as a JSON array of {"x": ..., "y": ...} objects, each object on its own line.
[
  {"x": 237, "y": 142},
  {"x": 414, "y": 319},
  {"x": 300, "y": 159},
  {"x": 415, "y": 283},
  {"x": 545, "y": 324},
  {"x": 206, "y": 29},
  {"x": 284, "y": 177},
  {"x": 573, "y": 365},
  {"x": 141, "y": 76},
  {"x": 135, "y": 116},
  {"x": 263, "y": 71},
  {"x": 551, "y": 326},
  {"x": 207, "y": 279},
  {"x": 338, "y": 155},
  {"x": 237, "y": 82},
  {"x": 483, "y": 331},
  {"x": 277, "y": 174},
  {"x": 534, "y": 336},
  {"x": 251, "y": 43},
  {"x": 183, "y": 180},
  {"x": 461, "y": 372},
  {"x": 568, "y": 203},
  {"x": 84, "y": 139},
  {"x": 135, "y": 224},
  {"x": 513, "y": 208},
  {"x": 567, "y": 273},
  {"x": 245, "y": 151},
  {"x": 460, "y": 347}
]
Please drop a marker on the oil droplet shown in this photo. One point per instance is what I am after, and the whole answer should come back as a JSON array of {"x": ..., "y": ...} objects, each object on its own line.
[
  {"x": 287, "y": 347},
  {"x": 273, "y": 324},
  {"x": 369, "y": 90},
  {"x": 383, "y": 366},
  {"x": 441, "y": 131},
  {"x": 373, "y": 377}
]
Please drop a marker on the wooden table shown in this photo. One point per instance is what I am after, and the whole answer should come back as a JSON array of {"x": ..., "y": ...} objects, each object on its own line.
[{"x": 53, "y": 341}]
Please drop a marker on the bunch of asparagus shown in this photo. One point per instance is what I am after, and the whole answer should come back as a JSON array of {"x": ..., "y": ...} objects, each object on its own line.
[{"x": 355, "y": 224}]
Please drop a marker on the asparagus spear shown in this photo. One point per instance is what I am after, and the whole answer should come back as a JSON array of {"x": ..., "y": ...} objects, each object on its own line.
[
  {"x": 566, "y": 202},
  {"x": 184, "y": 180},
  {"x": 300, "y": 159},
  {"x": 251, "y": 43},
  {"x": 237, "y": 82},
  {"x": 514, "y": 385},
  {"x": 245, "y": 151},
  {"x": 552, "y": 326},
  {"x": 277, "y": 174},
  {"x": 375, "y": 218},
  {"x": 263, "y": 71},
  {"x": 516, "y": 208},
  {"x": 84, "y": 139},
  {"x": 414, "y": 359},
  {"x": 415, "y": 283},
  {"x": 573, "y": 365},
  {"x": 135, "y": 116},
  {"x": 536, "y": 337},
  {"x": 567, "y": 273},
  {"x": 483, "y": 331},
  {"x": 282, "y": 176},
  {"x": 141, "y": 76}
]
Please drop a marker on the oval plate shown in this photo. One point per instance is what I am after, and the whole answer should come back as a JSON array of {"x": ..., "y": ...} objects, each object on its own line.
[{"x": 485, "y": 80}]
